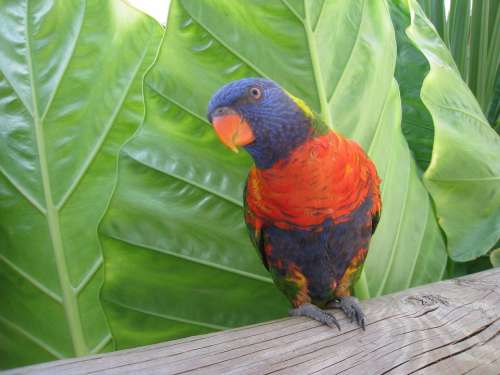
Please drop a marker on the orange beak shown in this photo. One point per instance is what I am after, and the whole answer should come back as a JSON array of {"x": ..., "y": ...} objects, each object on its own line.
[{"x": 233, "y": 130}]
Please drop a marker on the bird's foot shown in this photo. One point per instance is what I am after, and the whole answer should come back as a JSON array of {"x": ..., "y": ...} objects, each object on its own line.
[
  {"x": 350, "y": 306},
  {"x": 315, "y": 313}
]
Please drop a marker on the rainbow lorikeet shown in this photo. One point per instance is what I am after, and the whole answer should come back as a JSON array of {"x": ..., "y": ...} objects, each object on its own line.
[{"x": 312, "y": 199}]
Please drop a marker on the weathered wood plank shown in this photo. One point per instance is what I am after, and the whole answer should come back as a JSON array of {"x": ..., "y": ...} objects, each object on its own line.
[{"x": 451, "y": 327}]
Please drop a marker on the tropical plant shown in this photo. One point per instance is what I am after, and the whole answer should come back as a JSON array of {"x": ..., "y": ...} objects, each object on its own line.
[
  {"x": 445, "y": 115},
  {"x": 177, "y": 259},
  {"x": 70, "y": 95},
  {"x": 471, "y": 30}
]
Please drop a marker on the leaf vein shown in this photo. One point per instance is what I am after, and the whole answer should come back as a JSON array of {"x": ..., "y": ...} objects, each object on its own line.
[
  {"x": 107, "y": 128},
  {"x": 101, "y": 344},
  {"x": 182, "y": 106},
  {"x": 194, "y": 260},
  {"x": 185, "y": 180},
  {"x": 40, "y": 343},
  {"x": 316, "y": 68},
  {"x": 351, "y": 53},
  {"x": 398, "y": 231},
  {"x": 420, "y": 243},
  {"x": 23, "y": 192},
  {"x": 88, "y": 275},
  {"x": 472, "y": 179},
  {"x": 239, "y": 56},
  {"x": 320, "y": 15},
  {"x": 66, "y": 64},
  {"x": 70, "y": 303},
  {"x": 379, "y": 121},
  {"x": 16, "y": 92},
  {"x": 37, "y": 284},
  {"x": 285, "y": 2},
  {"x": 449, "y": 108},
  {"x": 168, "y": 317}
]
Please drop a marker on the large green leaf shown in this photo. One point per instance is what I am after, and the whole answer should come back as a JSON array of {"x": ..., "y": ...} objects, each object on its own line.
[
  {"x": 411, "y": 69},
  {"x": 464, "y": 174},
  {"x": 70, "y": 95},
  {"x": 472, "y": 33},
  {"x": 435, "y": 10},
  {"x": 177, "y": 258}
]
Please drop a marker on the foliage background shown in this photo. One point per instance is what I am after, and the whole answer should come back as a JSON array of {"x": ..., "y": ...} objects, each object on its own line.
[
  {"x": 176, "y": 257},
  {"x": 66, "y": 107}
]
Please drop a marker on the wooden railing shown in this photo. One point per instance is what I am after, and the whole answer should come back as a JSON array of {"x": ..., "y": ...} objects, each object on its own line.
[{"x": 449, "y": 327}]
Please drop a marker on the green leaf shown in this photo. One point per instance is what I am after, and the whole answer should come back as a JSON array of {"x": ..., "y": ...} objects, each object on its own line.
[
  {"x": 478, "y": 66},
  {"x": 458, "y": 269},
  {"x": 411, "y": 69},
  {"x": 175, "y": 227},
  {"x": 66, "y": 106},
  {"x": 464, "y": 174},
  {"x": 434, "y": 9},
  {"x": 494, "y": 112},
  {"x": 473, "y": 35},
  {"x": 492, "y": 85},
  {"x": 495, "y": 257},
  {"x": 459, "y": 33}
]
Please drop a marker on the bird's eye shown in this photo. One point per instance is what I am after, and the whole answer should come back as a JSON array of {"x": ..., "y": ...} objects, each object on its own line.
[{"x": 255, "y": 92}]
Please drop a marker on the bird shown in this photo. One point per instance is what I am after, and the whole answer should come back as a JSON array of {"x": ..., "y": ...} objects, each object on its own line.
[{"x": 311, "y": 199}]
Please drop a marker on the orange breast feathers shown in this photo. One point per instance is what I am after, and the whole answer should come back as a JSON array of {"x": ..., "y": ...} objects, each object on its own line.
[{"x": 326, "y": 177}]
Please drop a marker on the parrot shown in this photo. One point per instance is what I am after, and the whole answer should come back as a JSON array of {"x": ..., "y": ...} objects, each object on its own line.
[{"x": 311, "y": 199}]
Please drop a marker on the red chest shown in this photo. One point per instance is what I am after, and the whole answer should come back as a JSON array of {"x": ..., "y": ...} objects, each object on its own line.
[{"x": 327, "y": 177}]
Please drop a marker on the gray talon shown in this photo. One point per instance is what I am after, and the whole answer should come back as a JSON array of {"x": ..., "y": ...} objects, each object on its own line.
[
  {"x": 315, "y": 313},
  {"x": 350, "y": 306}
]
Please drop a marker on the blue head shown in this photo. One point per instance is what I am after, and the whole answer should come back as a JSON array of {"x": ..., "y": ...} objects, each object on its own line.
[{"x": 259, "y": 115}]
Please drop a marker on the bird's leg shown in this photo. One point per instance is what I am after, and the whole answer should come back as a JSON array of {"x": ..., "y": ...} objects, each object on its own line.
[
  {"x": 350, "y": 306},
  {"x": 314, "y": 312}
]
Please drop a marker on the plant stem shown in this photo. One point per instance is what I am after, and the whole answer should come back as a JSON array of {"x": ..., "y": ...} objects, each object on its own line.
[
  {"x": 69, "y": 296},
  {"x": 313, "y": 51}
]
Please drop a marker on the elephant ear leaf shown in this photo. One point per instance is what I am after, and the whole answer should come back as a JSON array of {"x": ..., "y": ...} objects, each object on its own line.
[
  {"x": 463, "y": 176},
  {"x": 70, "y": 95}
]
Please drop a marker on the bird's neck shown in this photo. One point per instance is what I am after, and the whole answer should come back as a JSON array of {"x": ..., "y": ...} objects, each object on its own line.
[
  {"x": 267, "y": 154},
  {"x": 278, "y": 146}
]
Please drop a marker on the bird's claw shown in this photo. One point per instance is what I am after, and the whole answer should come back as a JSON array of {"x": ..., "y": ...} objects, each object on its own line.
[
  {"x": 350, "y": 306},
  {"x": 315, "y": 313}
]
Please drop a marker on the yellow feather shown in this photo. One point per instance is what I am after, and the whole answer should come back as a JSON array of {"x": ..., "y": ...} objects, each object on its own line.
[{"x": 301, "y": 104}]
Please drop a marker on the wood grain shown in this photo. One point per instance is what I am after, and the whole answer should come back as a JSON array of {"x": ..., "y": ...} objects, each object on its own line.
[{"x": 449, "y": 327}]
